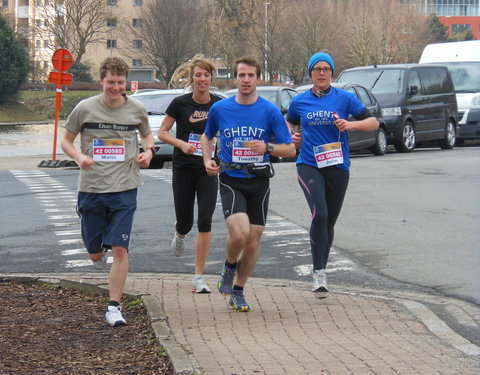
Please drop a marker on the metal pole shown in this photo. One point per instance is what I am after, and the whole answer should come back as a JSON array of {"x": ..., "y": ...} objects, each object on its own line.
[{"x": 266, "y": 41}]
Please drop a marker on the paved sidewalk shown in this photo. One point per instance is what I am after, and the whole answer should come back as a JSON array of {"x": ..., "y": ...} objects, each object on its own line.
[{"x": 288, "y": 331}]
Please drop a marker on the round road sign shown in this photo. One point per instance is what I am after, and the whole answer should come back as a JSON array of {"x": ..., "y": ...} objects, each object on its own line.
[{"x": 62, "y": 59}]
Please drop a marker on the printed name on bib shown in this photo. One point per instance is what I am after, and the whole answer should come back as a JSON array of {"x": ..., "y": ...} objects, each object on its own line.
[
  {"x": 241, "y": 153},
  {"x": 109, "y": 150},
  {"x": 328, "y": 154}
]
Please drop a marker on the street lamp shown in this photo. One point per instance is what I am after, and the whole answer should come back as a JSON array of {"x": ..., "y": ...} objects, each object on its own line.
[{"x": 266, "y": 39}]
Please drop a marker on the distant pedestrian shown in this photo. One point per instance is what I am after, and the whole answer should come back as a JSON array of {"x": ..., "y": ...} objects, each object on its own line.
[
  {"x": 245, "y": 123},
  {"x": 190, "y": 179},
  {"x": 323, "y": 163},
  {"x": 110, "y": 163}
]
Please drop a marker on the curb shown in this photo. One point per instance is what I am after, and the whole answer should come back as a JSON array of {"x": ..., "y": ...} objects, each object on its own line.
[{"x": 181, "y": 362}]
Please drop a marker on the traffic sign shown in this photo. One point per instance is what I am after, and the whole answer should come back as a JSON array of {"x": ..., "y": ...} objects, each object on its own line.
[
  {"x": 60, "y": 78},
  {"x": 134, "y": 85},
  {"x": 62, "y": 59}
]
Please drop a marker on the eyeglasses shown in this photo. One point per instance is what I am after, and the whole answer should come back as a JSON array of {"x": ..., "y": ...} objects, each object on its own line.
[{"x": 324, "y": 70}]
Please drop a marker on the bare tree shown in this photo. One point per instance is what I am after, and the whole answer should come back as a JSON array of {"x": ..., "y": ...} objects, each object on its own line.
[
  {"x": 73, "y": 24},
  {"x": 384, "y": 32},
  {"x": 167, "y": 33},
  {"x": 268, "y": 36},
  {"x": 309, "y": 26},
  {"x": 230, "y": 26}
]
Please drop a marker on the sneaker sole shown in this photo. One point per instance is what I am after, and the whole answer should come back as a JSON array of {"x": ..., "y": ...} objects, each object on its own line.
[
  {"x": 202, "y": 291},
  {"x": 241, "y": 308},
  {"x": 119, "y": 323},
  {"x": 321, "y": 292}
]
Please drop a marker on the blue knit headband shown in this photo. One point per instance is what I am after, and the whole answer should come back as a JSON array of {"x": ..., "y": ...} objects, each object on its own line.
[{"x": 320, "y": 56}]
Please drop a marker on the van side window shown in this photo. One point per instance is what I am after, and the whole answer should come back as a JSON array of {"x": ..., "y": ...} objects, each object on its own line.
[
  {"x": 414, "y": 85},
  {"x": 435, "y": 81}
]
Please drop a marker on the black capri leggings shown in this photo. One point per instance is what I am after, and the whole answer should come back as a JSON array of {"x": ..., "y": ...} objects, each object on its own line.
[
  {"x": 324, "y": 189},
  {"x": 186, "y": 182}
]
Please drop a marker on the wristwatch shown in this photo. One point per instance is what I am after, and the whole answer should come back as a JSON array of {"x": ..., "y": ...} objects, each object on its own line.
[{"x": 270, "y": 147}]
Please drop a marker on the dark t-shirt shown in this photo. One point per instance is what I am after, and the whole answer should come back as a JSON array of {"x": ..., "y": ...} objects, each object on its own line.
[{"x": 191, "y": 118}]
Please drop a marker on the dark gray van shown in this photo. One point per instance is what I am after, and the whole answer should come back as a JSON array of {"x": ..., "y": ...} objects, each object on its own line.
[{"x": 418, "y": 102}]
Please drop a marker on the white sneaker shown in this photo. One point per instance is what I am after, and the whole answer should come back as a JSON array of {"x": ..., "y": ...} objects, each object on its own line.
[
  {"x": 178, "y": 245},
  {"x": 320, "y": 288},
  {"x": 100, "y": 264},
  {"x": 199, "y": 285},
  {"x": 114, "y": 316}
]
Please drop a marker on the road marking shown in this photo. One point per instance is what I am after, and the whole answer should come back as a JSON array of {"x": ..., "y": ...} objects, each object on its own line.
[{"x": 57, "y": 202}]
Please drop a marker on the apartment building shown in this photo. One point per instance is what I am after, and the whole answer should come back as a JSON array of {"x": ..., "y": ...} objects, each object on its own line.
[
  {"x": 31, "y": 19},
  {"x": 457, "y": 15}
]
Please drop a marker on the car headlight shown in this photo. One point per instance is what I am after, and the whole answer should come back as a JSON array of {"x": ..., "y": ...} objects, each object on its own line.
[
  {"x": 391, "y": 111},
  {"x": 475, "y": 102}
]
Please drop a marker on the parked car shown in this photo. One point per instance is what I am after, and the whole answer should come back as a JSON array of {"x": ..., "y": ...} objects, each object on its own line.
[
  {"x": 375, "y": 141},
  {"x": 417, "y": 100},
  {"x": 281, "y": 96},
  {"x": 156, "y": 102}
]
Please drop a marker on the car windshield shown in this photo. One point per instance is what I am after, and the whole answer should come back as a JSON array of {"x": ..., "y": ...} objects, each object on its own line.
[
  {"x": 268, "y": 95},
  {"x": 465, "y": 75},
  {"x": 156, "y": 103},
  {"x": 388, "y": 81}
]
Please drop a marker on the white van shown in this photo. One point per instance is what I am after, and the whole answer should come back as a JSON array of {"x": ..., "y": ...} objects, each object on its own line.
[{"x": 463, "y": 62}]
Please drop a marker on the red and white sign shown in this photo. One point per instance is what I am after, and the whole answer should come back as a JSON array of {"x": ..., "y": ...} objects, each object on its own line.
[{"x": 134, "y": 85}]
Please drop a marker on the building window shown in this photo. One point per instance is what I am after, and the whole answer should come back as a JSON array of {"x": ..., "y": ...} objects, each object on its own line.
[
  {"x": 111, "y": 43},
  {"x": 45, "y": 44},
  {"x": 45, "y": 65},
  {"x": 137, "y": 22},
  {"x": 112, "y": 2},
  {"x": 38, "y": 23},
  {"x": 4, "y": 3},
  {"x": 111, "y": 22},
  {"x": 136, "y": 43},
  {"x": 137, "y": 62},
  {"x": 38, "y": 43},
  {"x": 137, "y": 3},
  {"x": 458, "y": 28}
]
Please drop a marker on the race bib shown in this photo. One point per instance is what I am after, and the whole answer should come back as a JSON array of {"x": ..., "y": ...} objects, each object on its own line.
[
  {"x": 243, "y": 154},
  {"x": 194, "y": 139},
  {"x": 109, "y": 150},
  {"x": 328, "y": 154}
]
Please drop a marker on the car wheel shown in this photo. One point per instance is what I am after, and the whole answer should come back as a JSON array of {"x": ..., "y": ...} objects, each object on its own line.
[
  {"x": 380, "y": 146},
  {"x": 407, "y": 140},
  {"x": 449, "y": 141}
]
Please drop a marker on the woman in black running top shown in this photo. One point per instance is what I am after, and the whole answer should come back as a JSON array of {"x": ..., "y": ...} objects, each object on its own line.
[{"x": 190, "y": 113}]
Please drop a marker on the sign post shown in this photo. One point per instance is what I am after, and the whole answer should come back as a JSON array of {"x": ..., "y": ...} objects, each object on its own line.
[{"x": 62, "y": 61}]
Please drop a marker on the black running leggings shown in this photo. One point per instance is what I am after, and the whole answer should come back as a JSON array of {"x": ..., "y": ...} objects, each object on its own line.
[
  {"x": 324, "y": 189},
  {"x": 187, "y": 182}
]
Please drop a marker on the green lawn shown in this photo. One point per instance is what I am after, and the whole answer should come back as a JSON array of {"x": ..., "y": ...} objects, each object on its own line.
[{"x": 40, "y": 105}]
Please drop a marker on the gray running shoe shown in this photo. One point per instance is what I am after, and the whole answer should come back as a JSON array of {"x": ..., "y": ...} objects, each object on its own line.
[
  {"x": 237, "y": 301},
  {"x": 178, "y": 245},
  {"x": 199, "y": 285},
  {"x": 320, "y": 287},
  {"x": 100, "y": 264},
  {"x": 114, "y": 316},
  {"x": 225, "y": 283}
]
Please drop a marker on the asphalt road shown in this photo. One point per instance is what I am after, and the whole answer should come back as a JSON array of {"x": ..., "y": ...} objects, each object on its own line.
[{"x": 409, "y": 224}]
